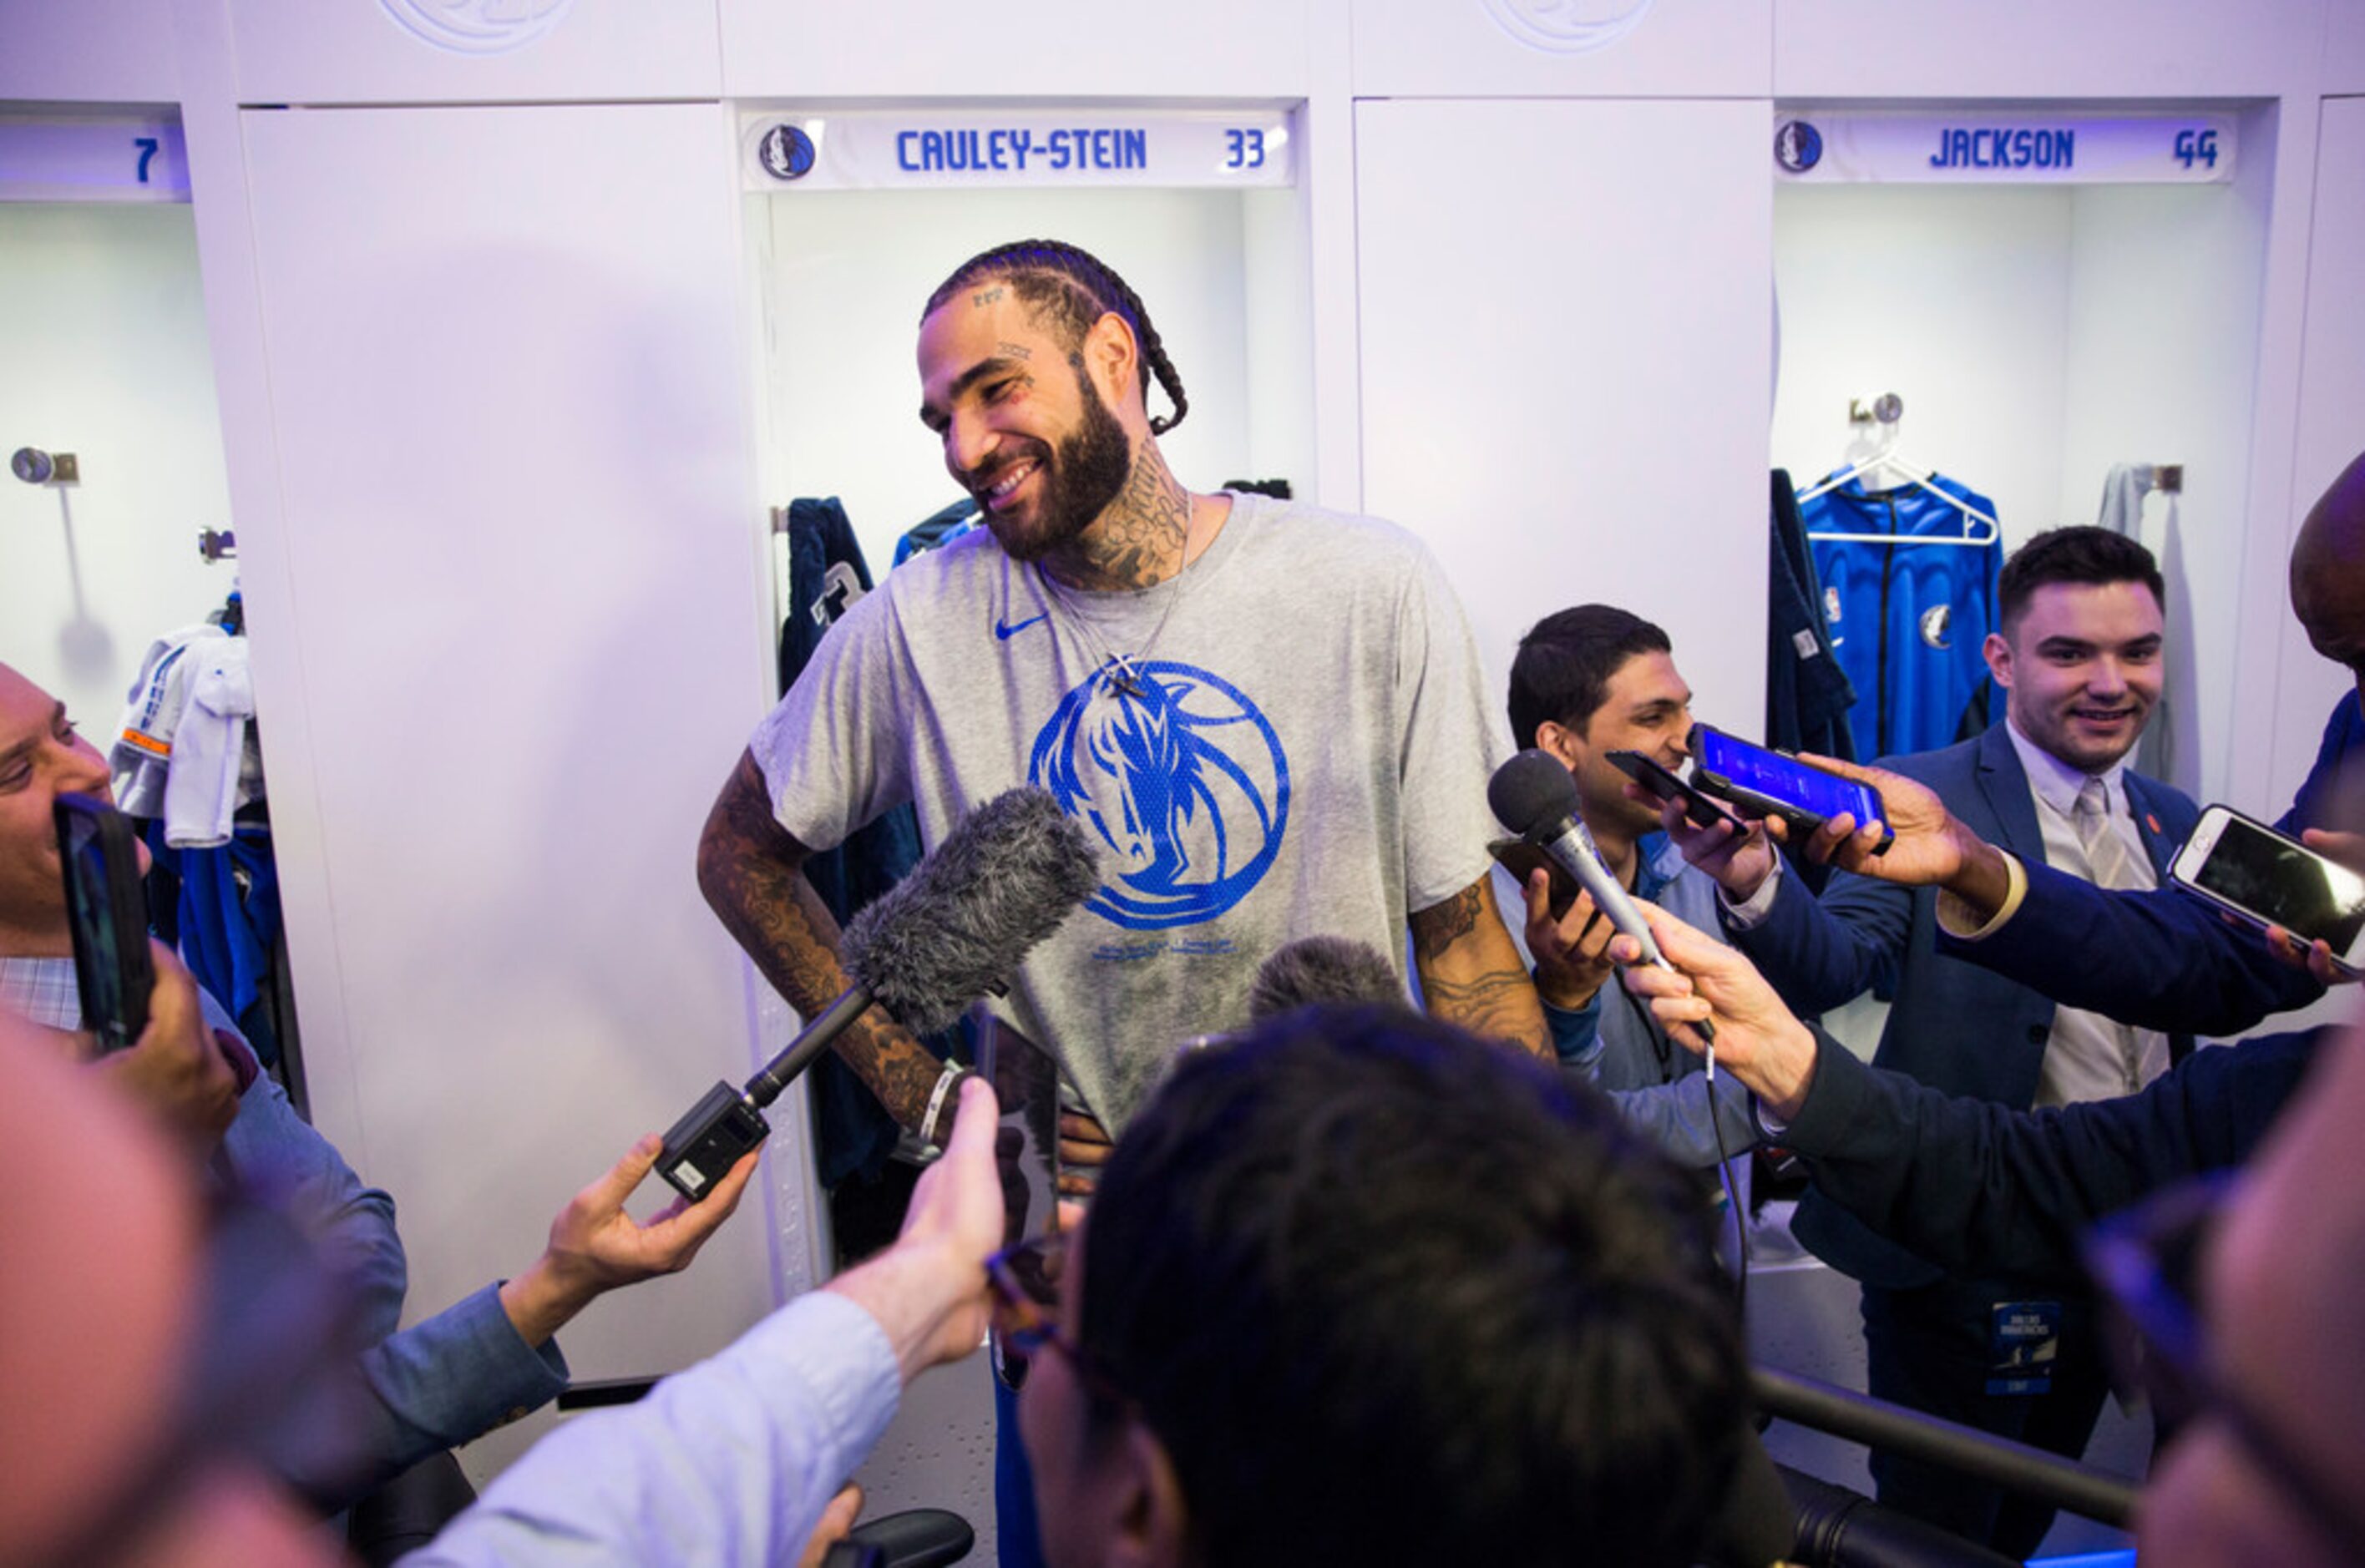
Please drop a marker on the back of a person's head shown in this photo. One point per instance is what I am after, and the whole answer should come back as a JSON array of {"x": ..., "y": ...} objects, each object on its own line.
[{"x": 1388, "y": 1294}]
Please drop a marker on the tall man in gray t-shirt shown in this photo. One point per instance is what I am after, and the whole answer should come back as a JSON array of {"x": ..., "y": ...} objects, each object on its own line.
[{"x": 1269, "y": 718}]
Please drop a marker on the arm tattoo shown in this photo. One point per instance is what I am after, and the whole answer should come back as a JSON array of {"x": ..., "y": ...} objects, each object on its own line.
[
  {"x": 1494, "y": 1005},
  {"x": 749, "y": 868},
  {"x": 1440, "y": 925},
  {"x": 1469, "y": 972}
]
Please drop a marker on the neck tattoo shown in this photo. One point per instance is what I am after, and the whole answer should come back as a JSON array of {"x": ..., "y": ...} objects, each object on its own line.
[{"x": 1125, "y": 678}]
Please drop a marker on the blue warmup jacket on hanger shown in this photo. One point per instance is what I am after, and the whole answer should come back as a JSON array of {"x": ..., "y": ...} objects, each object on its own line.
[{"x": 1906, "y": 620}]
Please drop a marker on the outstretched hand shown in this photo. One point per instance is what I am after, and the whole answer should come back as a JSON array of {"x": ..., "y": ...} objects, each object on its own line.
[
  {"x": 1758, "y": 1039},
  {"x": 928, "y": 1291},
  {"x": 595, "y": 1247},
  {"x": 1739, "y": 855}
]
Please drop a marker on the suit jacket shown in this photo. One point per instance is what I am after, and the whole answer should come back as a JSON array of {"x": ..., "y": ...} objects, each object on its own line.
[
  {"x": 1958, "y": 1027},
  {"x": 2165, "y": 959},
  {"x": 1981, "y": 1189}
]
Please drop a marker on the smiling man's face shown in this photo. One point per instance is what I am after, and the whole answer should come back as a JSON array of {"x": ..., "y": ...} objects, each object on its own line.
[{"x": 1024, "y": 429}]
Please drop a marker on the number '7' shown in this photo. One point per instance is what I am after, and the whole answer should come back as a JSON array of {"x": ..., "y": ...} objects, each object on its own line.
[{"x": 147, "y": 145}]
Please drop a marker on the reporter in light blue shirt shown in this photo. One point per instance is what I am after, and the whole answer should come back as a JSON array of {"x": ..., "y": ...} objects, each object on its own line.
[{"x": 736, "y": 1458}]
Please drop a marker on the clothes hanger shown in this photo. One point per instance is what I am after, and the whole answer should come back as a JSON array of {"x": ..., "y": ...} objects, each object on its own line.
[{"x": 1978, "y": 528}]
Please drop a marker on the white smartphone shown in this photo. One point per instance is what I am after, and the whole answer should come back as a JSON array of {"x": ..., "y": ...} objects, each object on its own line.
[{"x": 2268, "y": 879}]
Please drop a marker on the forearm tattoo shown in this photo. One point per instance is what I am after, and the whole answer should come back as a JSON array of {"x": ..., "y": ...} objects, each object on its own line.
[
  {"x": 1470, "y": 973},
  {"x": 749, "y": 868}
]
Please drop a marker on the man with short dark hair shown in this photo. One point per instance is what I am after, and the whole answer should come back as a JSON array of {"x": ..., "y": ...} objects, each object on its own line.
[
  {"x": 1356, "y": 1287},
  {"x": 2079, "y": 660},
  {"x": 1587, "y": 682}
]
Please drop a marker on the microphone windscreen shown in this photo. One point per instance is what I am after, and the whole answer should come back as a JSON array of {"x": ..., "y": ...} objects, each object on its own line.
[
  {"x": 1003, "y": 880},
  {"x": 1322, "y": 968},
  {"x": 1532, "y": 793}
]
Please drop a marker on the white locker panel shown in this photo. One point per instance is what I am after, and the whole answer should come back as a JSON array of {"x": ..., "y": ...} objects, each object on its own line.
[
  {"x": 2344, "y": 48},
  {"x": 2331, "y": 421},
  {"x": 378, "y": 51},
  {"x": 1552, "y": 48},
  {"x": 1053, "y": 50},
  {"x": 96, "y": 51},
  {"x": 508, "y": 373},
  {"x": 2035, "y": 49},
  {"x": 1566, "y": 354}
]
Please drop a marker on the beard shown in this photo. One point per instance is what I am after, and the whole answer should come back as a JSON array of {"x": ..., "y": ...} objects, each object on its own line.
[{"x": 1078, "y": 480}]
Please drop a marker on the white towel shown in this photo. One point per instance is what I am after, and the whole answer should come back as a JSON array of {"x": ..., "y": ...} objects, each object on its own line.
[{"x": 181, "y": 749}]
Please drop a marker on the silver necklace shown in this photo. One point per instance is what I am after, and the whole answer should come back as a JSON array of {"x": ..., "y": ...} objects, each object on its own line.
[{"x": 1127, "y": 679}]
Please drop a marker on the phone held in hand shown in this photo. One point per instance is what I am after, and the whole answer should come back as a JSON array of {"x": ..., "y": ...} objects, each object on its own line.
[
  {"x": 1027, "y": 1143},
  {"x": 1523, "y": 860},
  {"x": 2266, "y": 879},
  {"x": 1766, "y": 783},
  {"x": 107, "y": 905},
  {"x": 1700, "y": 809}
]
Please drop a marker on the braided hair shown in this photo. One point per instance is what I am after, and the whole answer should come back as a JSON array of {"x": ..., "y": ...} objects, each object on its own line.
[{"x": 1076, "y": 288}]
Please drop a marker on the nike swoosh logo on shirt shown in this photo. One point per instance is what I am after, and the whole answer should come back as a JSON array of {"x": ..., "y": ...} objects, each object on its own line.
[{"x": 1006, "y": 631}]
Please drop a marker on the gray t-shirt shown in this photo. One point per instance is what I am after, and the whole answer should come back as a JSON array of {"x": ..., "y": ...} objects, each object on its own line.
[{"x": 1309, "y": 755}]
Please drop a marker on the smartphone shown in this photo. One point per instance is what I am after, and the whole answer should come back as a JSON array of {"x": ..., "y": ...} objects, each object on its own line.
[
  {"x": 107, "y": 905},
  {"x": 1522, "y": 860},
  {"x": 2268, "y": 879},
  {"x": 1767, "y": 783},
  {"x": 1700, "y": 808},
  {"x": 1027, "y": 1143}
]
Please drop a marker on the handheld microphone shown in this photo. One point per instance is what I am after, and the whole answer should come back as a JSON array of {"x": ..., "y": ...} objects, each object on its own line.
[
  {"x": 1534, "y": 796},
  {"x": 1317, "y": 969},
  {"x": 1003, "y": 880}
]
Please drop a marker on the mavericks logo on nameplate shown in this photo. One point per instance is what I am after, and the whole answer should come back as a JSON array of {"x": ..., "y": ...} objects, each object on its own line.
[
  {"x": 1019, "y": 147},
  {"x": 1967, "y": 146}
]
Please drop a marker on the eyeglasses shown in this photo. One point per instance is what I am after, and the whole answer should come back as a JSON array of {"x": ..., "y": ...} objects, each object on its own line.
[
  {"x": 2147, "y": 1262},
  {"x": 1025, "y": 1288}
]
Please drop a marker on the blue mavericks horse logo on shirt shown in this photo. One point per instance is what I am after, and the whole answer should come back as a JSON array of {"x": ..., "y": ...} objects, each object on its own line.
[{"x": 1182, "y": 776}]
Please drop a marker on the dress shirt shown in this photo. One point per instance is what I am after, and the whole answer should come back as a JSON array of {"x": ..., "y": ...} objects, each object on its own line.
[
  {"x": 2087, "y": 1055},
  {"x": 728, "y": 1464}
]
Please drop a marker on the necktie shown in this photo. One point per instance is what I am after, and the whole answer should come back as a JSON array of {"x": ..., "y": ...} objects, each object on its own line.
[
  {"x": 2106, "y": 866},
  {"x": 2106, "y": 851}
]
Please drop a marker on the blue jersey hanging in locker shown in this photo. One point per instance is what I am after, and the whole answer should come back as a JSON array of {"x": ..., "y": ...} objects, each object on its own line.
[{"x": 1906, "y": 620}]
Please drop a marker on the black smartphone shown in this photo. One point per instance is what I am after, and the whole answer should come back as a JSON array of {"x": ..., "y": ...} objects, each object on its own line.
[
  {"x": 1027, "y": 1143},
  {"x": 1700, "y": 809},
  {"x": 1523, "y": 860},
  {"x": 107, "y": 905},
  {"x": 1767, "y": 783}
]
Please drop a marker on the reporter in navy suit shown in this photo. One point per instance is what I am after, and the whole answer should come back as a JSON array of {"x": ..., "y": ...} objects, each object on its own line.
[
  {"x": 2148, "y": 958},
  {"x": 2079, "y": 660}
]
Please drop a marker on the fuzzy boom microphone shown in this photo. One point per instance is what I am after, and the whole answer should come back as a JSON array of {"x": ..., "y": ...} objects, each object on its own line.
[
  {"x": 1003, "y": 880},
  {"x": 1315, "y": 970}
]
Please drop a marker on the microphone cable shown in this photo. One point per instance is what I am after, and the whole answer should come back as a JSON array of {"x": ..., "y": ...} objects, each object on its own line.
[{"x": 1661, "y": 1046}]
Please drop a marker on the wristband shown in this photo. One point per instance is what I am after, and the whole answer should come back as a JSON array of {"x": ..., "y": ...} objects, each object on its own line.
[{"x": 954, "y": 1072}]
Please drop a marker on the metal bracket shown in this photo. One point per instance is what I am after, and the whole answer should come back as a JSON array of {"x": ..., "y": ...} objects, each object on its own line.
[{"x": 34, "y": 467}]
